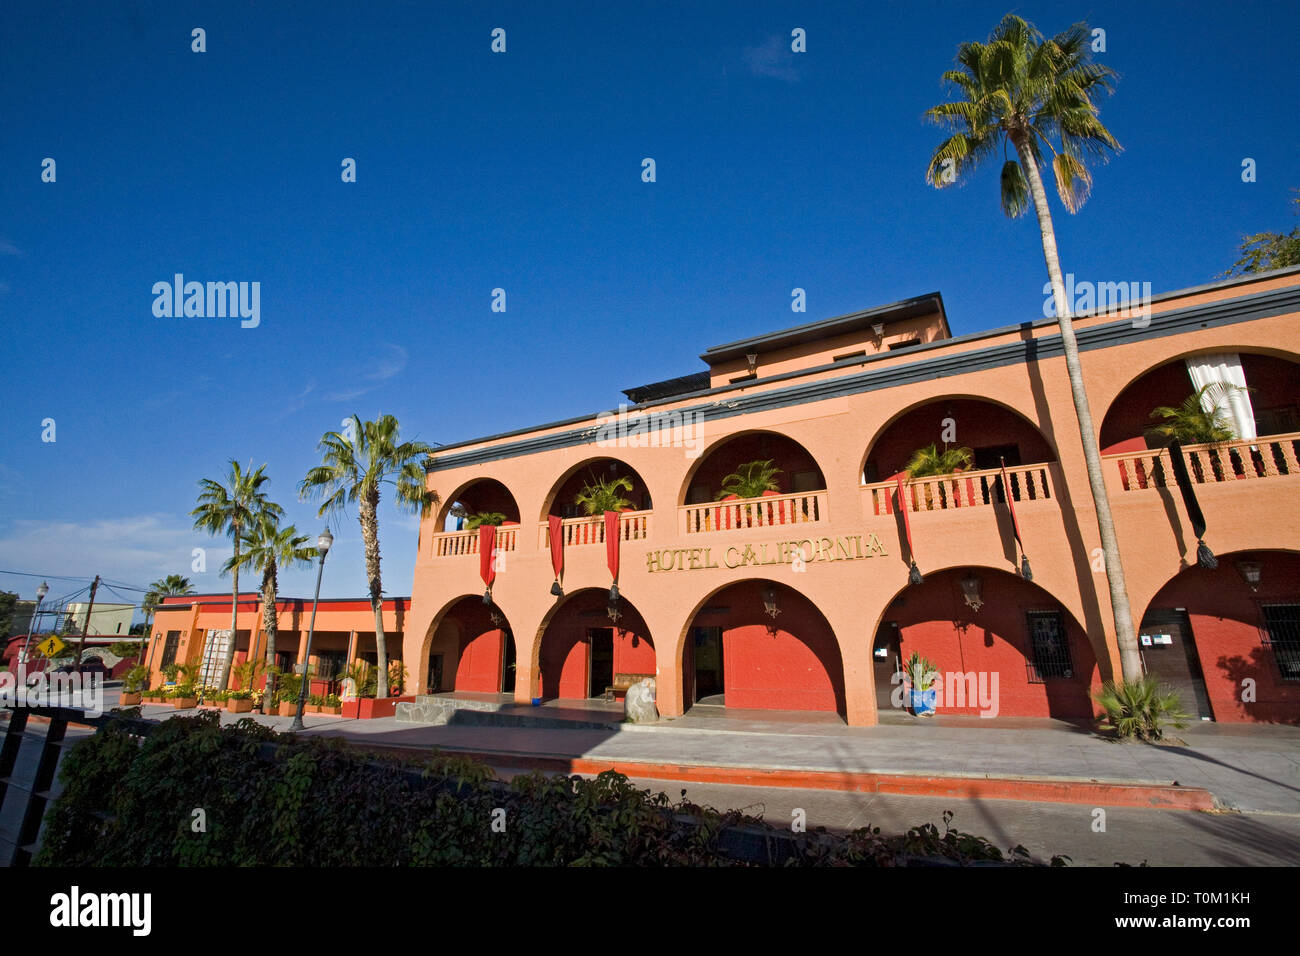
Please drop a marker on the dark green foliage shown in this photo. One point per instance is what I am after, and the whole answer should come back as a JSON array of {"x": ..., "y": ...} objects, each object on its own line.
[{"x": 271, "y": 799}]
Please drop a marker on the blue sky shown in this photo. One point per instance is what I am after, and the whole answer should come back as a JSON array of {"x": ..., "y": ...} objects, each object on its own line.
[{"x": 522, "y": 171}]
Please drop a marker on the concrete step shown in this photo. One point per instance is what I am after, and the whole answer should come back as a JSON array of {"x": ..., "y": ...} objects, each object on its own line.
[{"x": 429, "y": 709}]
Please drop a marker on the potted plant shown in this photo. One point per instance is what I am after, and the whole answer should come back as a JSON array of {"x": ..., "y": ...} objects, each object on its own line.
[
  {"x": 287, "y": 695},
  {"x": 930, "y": 462},
  {"x": 473, "y": 522},
  {"x": 239, "y": 701},
  {"x": 918, "y": 680},
  {"x": 183, "y": 696},
  {"x": 333, "y": 704},
  {"x": 314, "y": 702},
  {"x": 396, "y": 678},
  {"x": 753, "y": 479},
  {"x": 132, "y": 685},
  {"x": 1191, "y": 424}
]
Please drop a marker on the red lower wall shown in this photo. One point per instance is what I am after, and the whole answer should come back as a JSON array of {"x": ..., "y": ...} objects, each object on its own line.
[
  {"x": 481, "y": 657},
  {"x": 565, "y": 648},
  {"x": 1227, "y": 627},
  {"x": 935, "y": 621}
]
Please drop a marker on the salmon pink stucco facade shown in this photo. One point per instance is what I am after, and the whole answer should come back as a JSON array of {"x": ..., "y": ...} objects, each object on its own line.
[{"x": 802, "y": 596}]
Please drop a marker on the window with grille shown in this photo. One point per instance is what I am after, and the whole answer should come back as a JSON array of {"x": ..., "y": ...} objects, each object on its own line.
[
  {"x": 170, "y": 648},
  {"x": 329, "y": 664},
  {"x": 1282, "y": 622},
  {"x": 1049, "y": 647}
]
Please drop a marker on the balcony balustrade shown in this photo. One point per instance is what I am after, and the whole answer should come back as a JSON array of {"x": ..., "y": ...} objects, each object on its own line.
[
  {"x": 575, "y": 532},
  {"x": 1274, "y": 456},
  {"x": 967, "y": 489},
  {"x": 766, "y": 512},
  {"x": 452, "y": 543}
]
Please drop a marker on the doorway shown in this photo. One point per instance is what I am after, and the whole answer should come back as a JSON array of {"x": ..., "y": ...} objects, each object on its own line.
[
  {"x": 600, "y": 642},
  {"x": 508, "y": 664},
  {"x": 710, "y": 681},
  {"x": 886, "y": 662},
  {"x": 1169, "y": 653}
]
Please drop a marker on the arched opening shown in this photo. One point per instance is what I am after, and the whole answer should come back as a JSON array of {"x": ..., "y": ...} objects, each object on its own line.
[
  {"x": 483, "y": 496},
  {"x": 994, "y": 433},
  {"x": 1003, "y": 646},
  {"x": 470, "y": 648},
  {"x": 795, "y": 485},
  {"x": 1274, "y": 395},
  {"x": 563, "y": 499},
  {"x": 585, "y": 653},
  {"x": 1228, "y": 640},
  {"x": 738, "y": 655},
  {"x": 797, "y": 470}
]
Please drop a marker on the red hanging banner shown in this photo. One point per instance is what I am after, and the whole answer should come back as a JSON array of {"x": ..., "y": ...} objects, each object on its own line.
[
  {"x": 1011, "y": 504},
  {"x": 555, "y": 529},
  {"x": 611, "y": 543},
  {"x": 904, "y": 506},
  {"x": 487, "y": 543}
]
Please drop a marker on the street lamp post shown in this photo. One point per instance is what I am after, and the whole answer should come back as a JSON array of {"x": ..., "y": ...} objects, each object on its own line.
[
  {"x": 41, "y": 591},
  {"x": 323, "y": 544}
]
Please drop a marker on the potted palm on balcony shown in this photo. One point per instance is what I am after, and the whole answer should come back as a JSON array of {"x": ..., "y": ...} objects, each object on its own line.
[
  {"x": 473, "y": 522},
  {"x": 930, "y": 462},
  {"x": 599, "y": 495},
  {"x": 753, "y": 479},
  {"x": 1192, "y": 424}
]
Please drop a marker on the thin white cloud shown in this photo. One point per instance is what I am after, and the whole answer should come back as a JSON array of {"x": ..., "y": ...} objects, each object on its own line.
[
  {"x": 773, "y": 58},
  {"x": 388, "y": 365}
]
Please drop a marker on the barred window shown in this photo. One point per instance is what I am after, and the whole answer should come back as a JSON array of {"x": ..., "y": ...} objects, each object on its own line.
[
  {"x": 1282, "y": 622},
  {"x": 169, "y": 649},
  {"x": 1049, "y": 646}
]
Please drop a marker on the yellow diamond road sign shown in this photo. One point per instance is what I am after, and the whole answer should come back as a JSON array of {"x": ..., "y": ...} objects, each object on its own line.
[{"x": 50, "y": 646}]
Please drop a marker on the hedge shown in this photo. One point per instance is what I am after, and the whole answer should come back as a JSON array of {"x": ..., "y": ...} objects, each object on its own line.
[{"x": 194, "y": 793}]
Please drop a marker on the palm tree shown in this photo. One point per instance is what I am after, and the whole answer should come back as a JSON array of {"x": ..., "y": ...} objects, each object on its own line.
[
  {"x": 1191, "y": 424},
  {"x": 473, "y": 522},
  {"x": 355, "y": 466},
  {"x": 171, "y": 585},
  {"x": 930, "y": 461},
  {"x": 164, "y": 587},
  {"x": 604, "y": 494},
  {"x": 270, "y": 548},
  {"x": 228, "y": 510},
  {"x": 751, "y": 479},
  {"x": 1021, "y": 89}
]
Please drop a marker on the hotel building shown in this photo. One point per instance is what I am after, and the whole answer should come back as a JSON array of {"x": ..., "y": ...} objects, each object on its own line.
[{"x": 806, "y": 598}]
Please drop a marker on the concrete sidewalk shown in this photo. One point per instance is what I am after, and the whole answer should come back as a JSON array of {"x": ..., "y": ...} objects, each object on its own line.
[{"x": 1252, "y": 769}]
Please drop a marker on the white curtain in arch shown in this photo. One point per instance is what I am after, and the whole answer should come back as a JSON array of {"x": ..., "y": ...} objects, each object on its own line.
[{"x": 1225, "y": 368}]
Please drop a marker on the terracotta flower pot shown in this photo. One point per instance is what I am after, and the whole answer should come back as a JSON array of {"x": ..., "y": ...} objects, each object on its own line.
[
  {"x": 236, "y": 706},
  {"x": 131, "y": 700},
  {"x": 288, "y": 709},
  {"x": 184, "y": 703}
]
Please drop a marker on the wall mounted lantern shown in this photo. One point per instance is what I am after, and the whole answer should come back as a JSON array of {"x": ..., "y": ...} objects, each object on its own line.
[
  {"x": 769, "y": 602},
  {"x": 1250, "y": 572},
  {"x": 970, "y": 590}
]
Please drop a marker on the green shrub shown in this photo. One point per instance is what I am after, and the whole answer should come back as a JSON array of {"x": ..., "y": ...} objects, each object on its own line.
[
  {"x": 133, "y": 680},
  {"x": 275, "y": 799},
  {"x": 1137, "y": 709}
]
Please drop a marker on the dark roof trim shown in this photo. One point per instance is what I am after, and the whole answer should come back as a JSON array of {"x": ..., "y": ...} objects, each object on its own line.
[
  {"x": 682, "y": 385},
  {"x": 926, "y": 304},
  {"x": 1122, "y": 332}
]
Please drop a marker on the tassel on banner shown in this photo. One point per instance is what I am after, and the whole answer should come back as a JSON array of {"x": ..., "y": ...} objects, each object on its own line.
[
  {"x": 914, "y": 575},
  {"x": 1205, "y": 557},
  {"x": 556, "y": 590},
  {"x": 487, "y": 596},
  {"x": 1025, "y": 573}
]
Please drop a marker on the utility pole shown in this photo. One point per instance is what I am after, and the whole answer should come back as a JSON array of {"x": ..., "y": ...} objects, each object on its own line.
[{"x": 81, "y": 645}]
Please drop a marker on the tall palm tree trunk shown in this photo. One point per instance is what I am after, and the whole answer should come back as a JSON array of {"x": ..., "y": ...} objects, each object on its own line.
[
  {"x": 1130, "y": 659},
  {"x": 367, "y": 510},
  {"x": 272, "y": 625}
]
